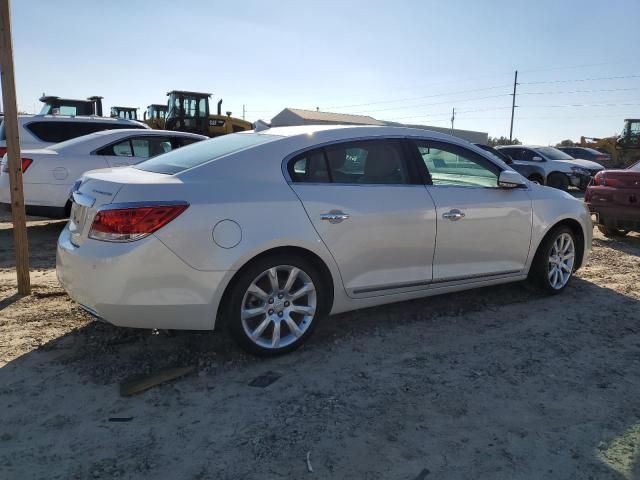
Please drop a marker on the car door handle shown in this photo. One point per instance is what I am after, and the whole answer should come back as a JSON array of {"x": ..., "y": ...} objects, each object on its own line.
[
  {"x": 334, "y": 216},
  {"x": 453, "y": 215}
]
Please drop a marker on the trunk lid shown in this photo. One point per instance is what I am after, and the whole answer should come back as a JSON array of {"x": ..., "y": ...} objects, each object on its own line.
[{"x": 100, "y": 187}]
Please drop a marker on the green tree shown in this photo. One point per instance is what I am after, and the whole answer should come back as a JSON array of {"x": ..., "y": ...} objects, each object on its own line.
[
  {"x": 494, "y": 141},
  {"x": 566, "y": 143}
]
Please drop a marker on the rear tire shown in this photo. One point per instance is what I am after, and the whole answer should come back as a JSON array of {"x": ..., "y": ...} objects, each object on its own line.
[
  {"x": 558, "y": 180},
  {"x": 554, "y": 262},
  {"x": 612, "y": 232},
  {"x": 266, "y": 314}
]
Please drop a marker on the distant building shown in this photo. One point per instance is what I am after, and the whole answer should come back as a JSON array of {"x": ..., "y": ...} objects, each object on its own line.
[{"x": 290, "y": 117}]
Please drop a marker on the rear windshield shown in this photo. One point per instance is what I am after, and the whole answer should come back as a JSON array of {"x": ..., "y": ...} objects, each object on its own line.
[{"x": 196, "y": 154}]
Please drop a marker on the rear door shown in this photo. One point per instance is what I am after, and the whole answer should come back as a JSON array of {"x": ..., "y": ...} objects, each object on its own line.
[
  {"x": 371, "y": 211},
  {"x": 483, "y": 231}
]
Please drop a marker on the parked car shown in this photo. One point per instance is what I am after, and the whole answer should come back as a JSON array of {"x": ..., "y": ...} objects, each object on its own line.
[
  {"x": 269, "y": 231},
  {"x": 535, "y": 173},
  {"x": 614, "y": 197},
  {"x": 40, "y": 131},
  {"x": 585, "y": 153},
  {"x": 49, "y": 174},
  {"x": 561, "y": 169}
]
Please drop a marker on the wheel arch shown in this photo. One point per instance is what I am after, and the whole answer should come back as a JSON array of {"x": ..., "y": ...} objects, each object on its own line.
[
  {"x": 324, "y": 270},
  {"x": 578, "y": 232}
]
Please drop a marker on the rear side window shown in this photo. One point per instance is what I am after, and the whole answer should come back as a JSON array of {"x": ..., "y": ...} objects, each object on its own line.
[
  {"x": 141, "y": 147},
  {"x": 374, "y": 162},
  {"x": 55, "y": 132},
  {"x": 310, "y": 167},
  {"x": 199, "y": 153}
]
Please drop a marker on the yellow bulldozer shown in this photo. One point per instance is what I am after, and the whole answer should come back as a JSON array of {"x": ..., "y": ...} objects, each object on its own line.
[
  {"x": 189, "y": 112},
  {"x": 624, "y": 149},
  {"x": 155, "y": 115}
]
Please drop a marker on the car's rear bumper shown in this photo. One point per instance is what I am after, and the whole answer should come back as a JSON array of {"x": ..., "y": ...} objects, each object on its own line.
[
  {"x": 139, "y": 284},
  {"x": 620, "y": 217}
]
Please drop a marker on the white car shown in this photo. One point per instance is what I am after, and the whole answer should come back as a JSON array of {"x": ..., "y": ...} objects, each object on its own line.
[
  {"x": 49, "y": 174},
  {"x": 268, "y": 231},
  {"x": 40, "y": 131},
  {"x": 561, "y": 169}
]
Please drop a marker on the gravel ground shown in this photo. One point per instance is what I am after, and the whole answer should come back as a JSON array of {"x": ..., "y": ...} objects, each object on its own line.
[{"x": 496, "y": 383}]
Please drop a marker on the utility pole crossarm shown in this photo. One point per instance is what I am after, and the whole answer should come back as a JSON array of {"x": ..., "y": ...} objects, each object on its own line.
[{"x": 13, "y": 150}]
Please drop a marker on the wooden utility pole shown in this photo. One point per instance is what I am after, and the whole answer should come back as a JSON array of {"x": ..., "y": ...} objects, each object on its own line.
[
  {"x": 513, "y": 105},
  {"x": 13, "y": 150}
]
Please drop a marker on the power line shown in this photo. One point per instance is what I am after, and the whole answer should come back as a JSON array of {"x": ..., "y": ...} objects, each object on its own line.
[
  {"x": 581, "y": 80},
  {"x": 420, "y": 105},
  {"x": 567, "y": 92},
  {"x": 418, "y": 98}
]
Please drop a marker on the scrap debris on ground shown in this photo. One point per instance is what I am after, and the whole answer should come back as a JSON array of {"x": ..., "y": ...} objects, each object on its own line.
[{"x": 494, "y": 383}]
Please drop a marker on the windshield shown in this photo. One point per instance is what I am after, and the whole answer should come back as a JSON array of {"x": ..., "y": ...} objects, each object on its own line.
[
  {"x": 635, "y": 167},
  {"x": 199, "y": 153},
  {"x": 553, "y": 153}
]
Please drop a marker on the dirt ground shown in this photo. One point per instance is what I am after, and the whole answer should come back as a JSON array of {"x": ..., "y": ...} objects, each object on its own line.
[{"x": 497, "y": 383}]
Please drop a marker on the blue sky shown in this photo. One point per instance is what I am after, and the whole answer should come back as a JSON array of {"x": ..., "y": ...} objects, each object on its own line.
[{"x": 410, "y": 61}]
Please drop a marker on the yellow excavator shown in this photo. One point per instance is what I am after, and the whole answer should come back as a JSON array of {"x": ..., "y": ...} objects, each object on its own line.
[
  {"x": 189, "y": 112},
  {"x": 155, "y": 115},
  {"x": 624, "y": 149}
]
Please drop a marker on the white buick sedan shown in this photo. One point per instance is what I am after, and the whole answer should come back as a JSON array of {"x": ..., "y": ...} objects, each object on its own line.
[
  {"x": 49, "y": 173},
  {"x": 267, "y": 232}
]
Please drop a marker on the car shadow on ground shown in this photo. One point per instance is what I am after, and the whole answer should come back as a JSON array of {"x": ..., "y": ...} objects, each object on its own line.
[
  {"x": 497, "y": 381},
  {"x": 628, "y": 244},
  {"x": 43, "y": 238}
]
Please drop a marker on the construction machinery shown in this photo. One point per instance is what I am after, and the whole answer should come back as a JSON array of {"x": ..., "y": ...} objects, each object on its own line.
[
  {"x": 189, "y": 112},
  {"x": 128, "y": 113},
  {"x": 155, "y": 115},
  {"x": 624, "y": 149},
  {"x": 69, "y": 106}
]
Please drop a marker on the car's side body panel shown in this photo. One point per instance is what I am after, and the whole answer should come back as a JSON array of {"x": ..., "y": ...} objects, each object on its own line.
[{"x": 248, "y": 195}]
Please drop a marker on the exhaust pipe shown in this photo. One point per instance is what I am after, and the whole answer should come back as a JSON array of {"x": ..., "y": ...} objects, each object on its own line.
[{"x": 220, "y": 107}]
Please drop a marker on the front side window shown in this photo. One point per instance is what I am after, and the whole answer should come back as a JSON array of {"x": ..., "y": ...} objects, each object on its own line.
[{"x": 456, "y": 166}]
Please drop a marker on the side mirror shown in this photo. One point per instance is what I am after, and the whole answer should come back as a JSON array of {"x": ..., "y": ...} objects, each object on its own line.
[
  {"x": 511, "y": 179},
  {"x": 537, "y": 159}
]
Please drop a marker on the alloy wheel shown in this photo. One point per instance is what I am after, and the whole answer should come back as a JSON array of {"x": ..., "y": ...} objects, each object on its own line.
[
  {"x": 561, "y": 259},
  {"x": 278, "y": 307}
]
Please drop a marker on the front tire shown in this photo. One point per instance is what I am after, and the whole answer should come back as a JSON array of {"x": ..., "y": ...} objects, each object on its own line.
[
  {"x": 275, "y": 304},
  {"x": 612, "y": 232},
  {"x": 558, "y": 180},
  {"x": 553, "y": 265}
]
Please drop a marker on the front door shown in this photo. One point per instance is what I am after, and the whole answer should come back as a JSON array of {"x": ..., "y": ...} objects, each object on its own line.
[
  {"x": 372, "y": 213},
  {"x": 483, "y": 231}
]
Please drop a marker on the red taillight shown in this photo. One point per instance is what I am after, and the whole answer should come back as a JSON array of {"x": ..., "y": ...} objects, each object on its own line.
[
  {"x": 129, "y": 224},
  {"x": 598, "y": 179},
  {"x": 25, "y": 164}
]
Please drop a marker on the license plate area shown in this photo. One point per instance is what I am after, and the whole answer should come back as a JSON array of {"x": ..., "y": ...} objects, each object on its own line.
[{"x": 77, "y": 220}]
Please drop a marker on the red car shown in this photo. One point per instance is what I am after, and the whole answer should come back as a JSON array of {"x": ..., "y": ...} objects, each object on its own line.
[{"x": 614, "y": 196}]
